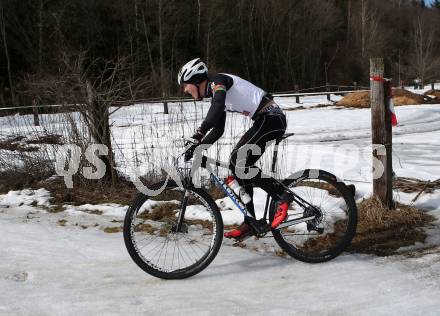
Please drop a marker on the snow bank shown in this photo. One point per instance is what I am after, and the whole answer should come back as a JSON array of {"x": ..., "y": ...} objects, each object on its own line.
[
  {"x": 40, "y": 197},
  {"x": 107, "y": 209}
]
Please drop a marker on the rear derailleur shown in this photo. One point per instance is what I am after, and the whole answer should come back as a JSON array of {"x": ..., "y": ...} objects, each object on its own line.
[{"x": 312, "y": 225}]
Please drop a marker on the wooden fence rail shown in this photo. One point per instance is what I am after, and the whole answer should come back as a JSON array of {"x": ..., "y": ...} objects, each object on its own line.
[{"x": 177, "y": 100}]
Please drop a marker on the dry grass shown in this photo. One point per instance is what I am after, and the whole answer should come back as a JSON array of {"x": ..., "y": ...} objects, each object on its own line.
[
  {"x": 164, "y": 231},
  {"x": 20, "y": 144},
  {"x": 324, "y": 242},
  {"x": 112, "y": 230},
  {"x": 168, "y": 195},
  {"x": 381, "y": 231},
  {"x": 280, "y": 253},
  {"x": 94, "y": 193},
  {"x": 57, "y": 208},
  {"x": 162, "y": 211},
  {"x": 94, "y": 212},
  {"x": 216, "y": 193},
  {"x": 19, "y": 179},
  {"x": 411, "y": 185},
  {"x": 435, "y": 93},
  {"x": 361, "y": 99},
  {"x": 239, "y": 244},
  {"x": 405, "y": 97},
  {"x": 146, "y": 228},
  {"x": 203, "y": 223},
  {"x": 62, "y": 222}
]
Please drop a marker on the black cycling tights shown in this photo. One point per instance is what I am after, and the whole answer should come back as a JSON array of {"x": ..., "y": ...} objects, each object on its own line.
[{"x": 266, "y": 128}]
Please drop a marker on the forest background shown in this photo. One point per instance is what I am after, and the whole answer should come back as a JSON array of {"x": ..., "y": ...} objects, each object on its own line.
[{"x": 281, "y": 45}]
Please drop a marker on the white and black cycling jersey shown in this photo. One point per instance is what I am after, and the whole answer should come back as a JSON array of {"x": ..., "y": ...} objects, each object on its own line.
[
  {"x": 242, "y": 96},
  {"x": 229, "y": 93}
]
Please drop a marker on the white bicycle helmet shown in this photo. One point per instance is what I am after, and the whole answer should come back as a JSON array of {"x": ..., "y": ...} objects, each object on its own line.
[{"x": 194, "y": 71}]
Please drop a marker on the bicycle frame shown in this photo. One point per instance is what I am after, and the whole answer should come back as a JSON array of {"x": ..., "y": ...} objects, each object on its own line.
[{"x": 236, "y": 200}]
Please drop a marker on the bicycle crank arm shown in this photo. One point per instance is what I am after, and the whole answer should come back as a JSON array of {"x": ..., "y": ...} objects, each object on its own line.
[{"x": 295, "y": 221}]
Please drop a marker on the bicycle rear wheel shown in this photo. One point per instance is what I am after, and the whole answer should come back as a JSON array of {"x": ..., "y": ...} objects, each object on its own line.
[
  {"x": 175, "y": 234},
  {"x": 334, "y": 213}
]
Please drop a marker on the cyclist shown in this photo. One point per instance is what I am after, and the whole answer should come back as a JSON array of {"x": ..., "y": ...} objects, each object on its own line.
[{"x": 234, "y": 94}]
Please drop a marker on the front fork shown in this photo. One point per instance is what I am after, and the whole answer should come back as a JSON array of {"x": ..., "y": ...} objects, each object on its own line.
[{"x": 182, "y": 212}]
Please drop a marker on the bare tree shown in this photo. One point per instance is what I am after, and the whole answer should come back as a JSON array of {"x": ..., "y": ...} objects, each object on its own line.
[
  {"x": 95, "y": 88},
  {"x": 369, "y": 31},
  {"x": 423, "y": 58},
  {"x": 5, "y": 46},
  {"x": 161, "y": 44}
]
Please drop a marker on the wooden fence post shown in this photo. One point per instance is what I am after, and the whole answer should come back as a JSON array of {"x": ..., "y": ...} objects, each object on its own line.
[
  {"x": 35, "y": 112},
  {"x": 165, "y": 104},
  {"x": 165, "y": 107},
  {"x": 327, "y": 90},
  {"x": 381, "y": 132},
  {"x": 296, "y": 88}
]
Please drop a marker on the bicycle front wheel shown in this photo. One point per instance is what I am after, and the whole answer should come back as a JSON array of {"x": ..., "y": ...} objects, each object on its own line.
[
  {"x": 332, "y": 209},
  {"x": 175, "y": 234}
]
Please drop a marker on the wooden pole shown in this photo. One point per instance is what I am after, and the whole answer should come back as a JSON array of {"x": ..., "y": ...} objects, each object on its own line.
[
  {"x": 388, "y": 145},
  {"x": 327, "y": 90},
  {"x": 381, "y": 132},
  {"x": 296, "y": 88},
  {"x": 165, "y": 107},
  {"x": 165, "y": 104},
  {"x": 35, "y": 113}
]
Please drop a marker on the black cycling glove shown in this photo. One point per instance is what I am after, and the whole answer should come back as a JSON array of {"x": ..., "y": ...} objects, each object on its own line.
[{"x": 191, "y": 145}]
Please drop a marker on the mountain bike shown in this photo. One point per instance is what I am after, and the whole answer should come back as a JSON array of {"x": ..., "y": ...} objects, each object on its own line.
[{"x": 177, "y": 233}]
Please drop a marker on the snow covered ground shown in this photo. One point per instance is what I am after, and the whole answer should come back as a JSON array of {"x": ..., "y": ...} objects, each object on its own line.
[
  {"x": 65, "y": 264},
  {"x": 47, "y": 269}
]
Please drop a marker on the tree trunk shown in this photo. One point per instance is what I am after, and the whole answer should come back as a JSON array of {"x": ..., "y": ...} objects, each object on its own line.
[
  {"x": 40, "y": 38},
  {"x": 363, "y": 27},
  {"x": 198, "y": 20},
  {"x": 162, "y": 71},
  {"x": 348, "y": 23},
  {"x": 99, "y": 126},
  {"x": 8, "y": 61},
  {"x": 150, "y": 57}
]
